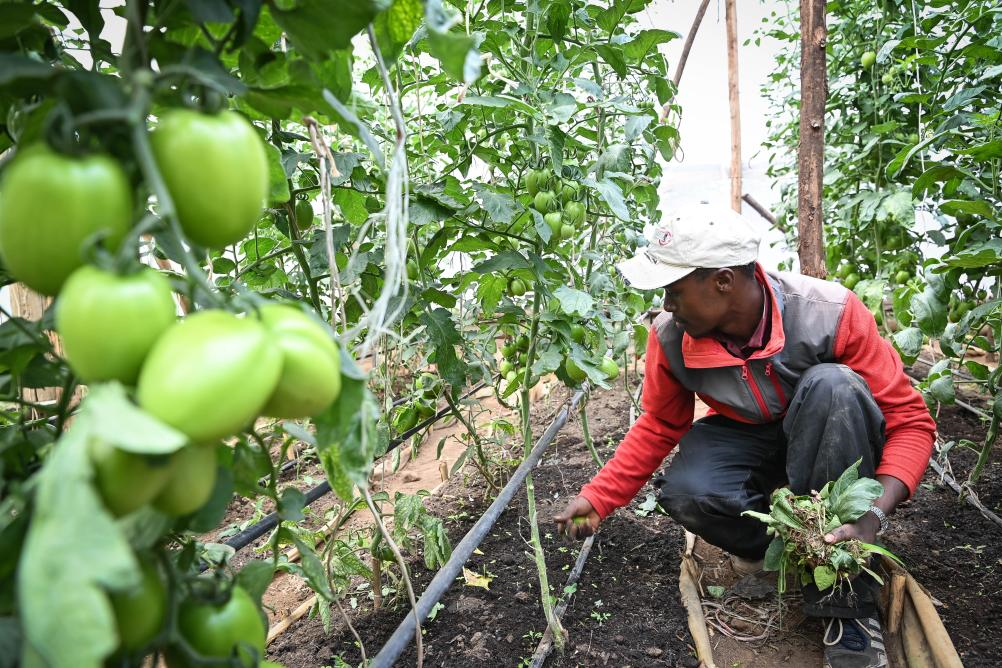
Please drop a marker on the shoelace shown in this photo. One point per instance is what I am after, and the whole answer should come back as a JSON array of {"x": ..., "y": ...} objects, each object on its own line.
[{"x": 850, "y": 635}]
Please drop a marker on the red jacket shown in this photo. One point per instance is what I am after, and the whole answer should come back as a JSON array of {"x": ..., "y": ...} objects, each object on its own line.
[{"x": 813, "y": 320}]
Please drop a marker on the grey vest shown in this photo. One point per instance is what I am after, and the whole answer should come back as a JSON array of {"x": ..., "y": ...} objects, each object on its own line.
[{"x": 759, "y": 389}]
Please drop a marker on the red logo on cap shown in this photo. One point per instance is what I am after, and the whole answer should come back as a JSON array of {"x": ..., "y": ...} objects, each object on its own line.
[{"x": 664, "y": 237}]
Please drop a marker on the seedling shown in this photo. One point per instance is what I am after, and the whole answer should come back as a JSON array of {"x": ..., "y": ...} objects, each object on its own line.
[{"x": 799, "y": 525}]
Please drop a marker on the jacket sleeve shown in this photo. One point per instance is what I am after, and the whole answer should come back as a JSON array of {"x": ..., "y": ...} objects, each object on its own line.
[
  {"x": 911, "y": 431},
  {"x": 668, "y": 412}
]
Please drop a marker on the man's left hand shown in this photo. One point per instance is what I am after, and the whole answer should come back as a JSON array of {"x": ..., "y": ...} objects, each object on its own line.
[{"x": 864, "y": 529}]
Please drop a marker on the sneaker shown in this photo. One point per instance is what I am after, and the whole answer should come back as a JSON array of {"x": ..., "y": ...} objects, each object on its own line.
[
  {"x": 854, "y": 643},
  {"x": 745, "y": 567}
]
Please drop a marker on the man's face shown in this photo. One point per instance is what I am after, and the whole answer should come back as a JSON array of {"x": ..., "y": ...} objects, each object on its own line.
[{"x": 699, "y": 305}]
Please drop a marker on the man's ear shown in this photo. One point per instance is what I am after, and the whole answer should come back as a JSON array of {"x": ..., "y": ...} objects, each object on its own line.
[{"x": 723, "y": 279}]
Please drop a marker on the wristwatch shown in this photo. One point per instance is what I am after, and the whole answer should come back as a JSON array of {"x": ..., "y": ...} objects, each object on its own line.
[{"x": 884, "y": 523}]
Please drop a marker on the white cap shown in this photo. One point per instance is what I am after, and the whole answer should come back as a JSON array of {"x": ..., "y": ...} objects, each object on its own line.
[{"x": 693, "y": 237}]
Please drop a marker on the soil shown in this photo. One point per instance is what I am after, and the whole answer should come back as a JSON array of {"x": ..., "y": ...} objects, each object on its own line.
[{"x": 625, "y": 610}]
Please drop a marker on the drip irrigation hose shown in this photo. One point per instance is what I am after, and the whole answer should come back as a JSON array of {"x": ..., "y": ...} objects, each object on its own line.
[
  {"x": 404, "y": 633},
  {"x": 271, "y": 520}
]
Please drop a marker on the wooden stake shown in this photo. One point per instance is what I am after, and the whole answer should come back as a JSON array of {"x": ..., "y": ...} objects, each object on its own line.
[
  {"x": 811, "y": 158},
  {"x": 732, "y": 88},
  {"x": 28, "y": 304}
]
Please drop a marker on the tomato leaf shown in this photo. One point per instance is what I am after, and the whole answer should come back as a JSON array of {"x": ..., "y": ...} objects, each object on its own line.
[
  {"x": 315, "y": 27},
  {"x": 574, "y": 302},
  {"x": 824, "y": 577},
  {"x": 255, "y": 577},
  {"x": 908, "y": 343},
  {"x": 444, "y": 338},
  {"x": 72, "y": 553},
  {"x": 119, "y": 422},
  {"x": 396, "y": 26}
]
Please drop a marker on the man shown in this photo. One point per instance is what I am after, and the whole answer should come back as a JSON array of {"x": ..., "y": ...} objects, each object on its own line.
[{"x": 800, "y": 385}]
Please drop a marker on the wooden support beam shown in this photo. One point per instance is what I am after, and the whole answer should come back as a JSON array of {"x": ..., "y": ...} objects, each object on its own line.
[
  {"x": 735, "y": 102},
  {"x": 811, "y": 157}
]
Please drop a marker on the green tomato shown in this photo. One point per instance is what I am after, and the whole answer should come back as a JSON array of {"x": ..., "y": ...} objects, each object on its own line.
[
  {"x": 578, "y": 333},
  {"x": 108, "y": 323},
  {"x": 536, "y": 180},
  {"x": 566, "y": 232},
  {"x": 210, "y": 374},
  {"x": 50, "y": 205},
  {"x": 570, "y": 192},
  {"x": 574, "y": 213},
  {"x": 573, "y": 371},
  {"x": 963, "y": 308},
  {"x": 304, "y": 214},
  {"x": 522, "y": 343},
  {"x": 902, "y": 277},
  {"x": 511, "y": 376},
  {"x": 127, "y": 481},
  {"x": 311, "y": 363},
  {"x": 412, "y": 270},
  {"x": 140, "y": 612},
  {"x": 554, "y": 221},
  {"x": 192, "y": 478},
  {"x": 844, "y": 270},
  {"x": 216, "y": 170},
  {"x": 516, "y": 287},
  {"x": 887, "y": 78},
  {"x": 545, "y": 201},
  {"x": 405, "y": 420},
  {"x": 505, "y": 367},
  {"x": 851, "y": 280},
  {"x": 609, "y": 368},
  {"x": 425, "y": 410},
  {"x": 868, "y": 59},
  {"x": 508, "y": 349},
  {"x": 219, "y": 631}
]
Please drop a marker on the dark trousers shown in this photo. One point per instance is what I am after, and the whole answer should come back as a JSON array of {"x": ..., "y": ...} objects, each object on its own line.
[{"x": 724, "y": 467}]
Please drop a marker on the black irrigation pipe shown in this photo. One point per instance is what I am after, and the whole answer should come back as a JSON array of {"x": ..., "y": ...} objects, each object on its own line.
[
  {"x": 271, "y": 520},
  {"x": 404, "y": 633}
]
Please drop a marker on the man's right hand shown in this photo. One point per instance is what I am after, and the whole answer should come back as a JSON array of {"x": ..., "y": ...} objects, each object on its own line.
[{"x": 579, "y": 519}]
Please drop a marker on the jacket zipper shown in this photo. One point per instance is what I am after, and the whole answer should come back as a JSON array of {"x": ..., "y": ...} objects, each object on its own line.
[
  {"x": 750, "y": 379},
  {"x": 775, "y": 383}
]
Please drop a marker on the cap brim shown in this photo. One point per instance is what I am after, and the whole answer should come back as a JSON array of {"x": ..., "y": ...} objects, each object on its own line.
[{"x": 643, "y": 274}]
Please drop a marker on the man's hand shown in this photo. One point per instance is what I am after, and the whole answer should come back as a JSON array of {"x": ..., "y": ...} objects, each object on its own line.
[
  {"x": 579, "y": 519},
  {"x": 864, "y": 529}
]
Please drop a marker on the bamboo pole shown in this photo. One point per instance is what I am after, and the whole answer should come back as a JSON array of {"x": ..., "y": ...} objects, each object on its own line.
[
  {"x": 690, "y": 38},
  {"x": 813, "y": 95},
  {"x": 735, "y": 102}
]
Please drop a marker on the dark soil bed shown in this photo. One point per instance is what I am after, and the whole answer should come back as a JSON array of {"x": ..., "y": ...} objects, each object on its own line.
[
  {"x": 625, "y": 610},
  {"x": 953, "y": 551}
]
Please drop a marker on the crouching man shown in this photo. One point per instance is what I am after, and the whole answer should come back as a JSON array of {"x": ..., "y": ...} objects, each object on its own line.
[{"x": 800, "y": 385}]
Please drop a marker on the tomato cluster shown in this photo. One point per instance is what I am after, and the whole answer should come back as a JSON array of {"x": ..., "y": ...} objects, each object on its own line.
[
  {"x": 558, "y": 200},
  {"x": 66, "y": 231},
  {"x": 427, "y": 388}
]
